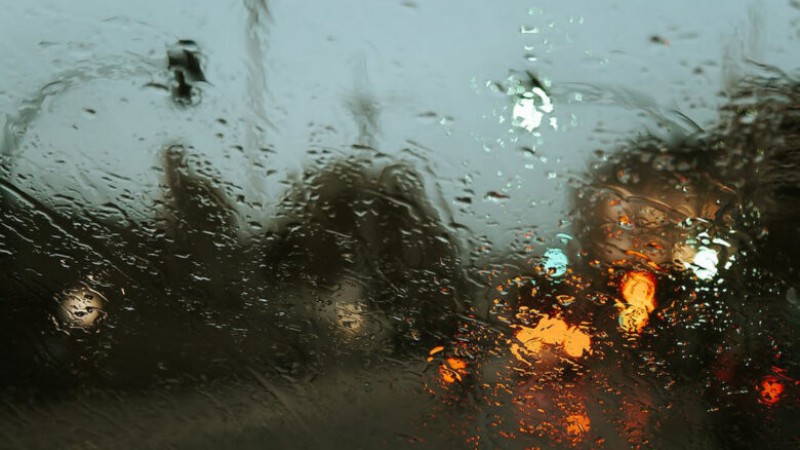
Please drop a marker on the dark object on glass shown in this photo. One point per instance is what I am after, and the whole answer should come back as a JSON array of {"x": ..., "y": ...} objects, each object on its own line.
[{"x": 184, "y": 61}]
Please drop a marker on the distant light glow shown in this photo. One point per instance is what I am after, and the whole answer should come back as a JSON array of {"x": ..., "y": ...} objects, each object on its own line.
[
  {"x": 638, "y": 290},
  {"x": 578, "y": 425},
  {"x": 527, "y": 114},
  {"x": 704, "y": 264},
  {"x": 81, "y": 308},
  {"x": 555, "y": 262},
  {"x": 770, "y": 390},
  {"x": 453, "y": 370},
  {"x": 549, "y": 332}
]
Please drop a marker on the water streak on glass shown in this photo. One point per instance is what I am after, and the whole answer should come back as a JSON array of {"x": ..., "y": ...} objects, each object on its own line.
[{"x": 259, "y": 224}]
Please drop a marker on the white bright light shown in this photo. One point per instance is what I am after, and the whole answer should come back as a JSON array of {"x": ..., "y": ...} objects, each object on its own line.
[
  {"x": 704, "y": 263},
  {"x": 526, "y": 114},
  {"x": 555, "y": 262}
]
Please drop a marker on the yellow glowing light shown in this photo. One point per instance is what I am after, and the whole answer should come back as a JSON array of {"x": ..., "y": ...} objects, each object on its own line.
[
  {"x": 576, "y": 343},
  {"x": 638, "y": 290},
  {"x": 552, "y": 332},
  {"x": 625, "y": 221},
  {"x": 456, "y": 364},
  {"x": 81, "y": 308},
  {"x": 434, "y": 351},
  {"x": 452, "y": 370},
  {"x": 578, "y": 425},
  {"x": 633, "y": 319}
]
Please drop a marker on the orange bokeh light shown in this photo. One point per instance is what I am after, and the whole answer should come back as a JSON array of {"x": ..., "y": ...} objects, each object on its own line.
[
  {"x": 578, "y": 425},
  {"x": 638, "y": 291},
  {"x": 553, "y": 332},
  {"x": 638, "y": 288},
  {"x": 453, "y": 370},
  {"x": 770, "y": 390}
]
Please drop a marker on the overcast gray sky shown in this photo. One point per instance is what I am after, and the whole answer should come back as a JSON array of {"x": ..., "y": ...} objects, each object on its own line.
[{"x": 427, "y": 66}]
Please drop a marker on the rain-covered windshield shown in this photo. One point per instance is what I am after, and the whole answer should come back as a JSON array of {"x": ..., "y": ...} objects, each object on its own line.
[{"x": 432, "y": 225}]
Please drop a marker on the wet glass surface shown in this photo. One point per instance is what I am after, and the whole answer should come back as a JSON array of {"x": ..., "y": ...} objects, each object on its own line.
[{"x": 266, "y": 224}]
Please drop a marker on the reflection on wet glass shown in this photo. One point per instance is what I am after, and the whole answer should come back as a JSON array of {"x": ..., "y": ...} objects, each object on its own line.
[
  {"x": 350, "y": 307},
  {"x": 670, "y": 287},
  {"x": 638, "y": 290}
]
